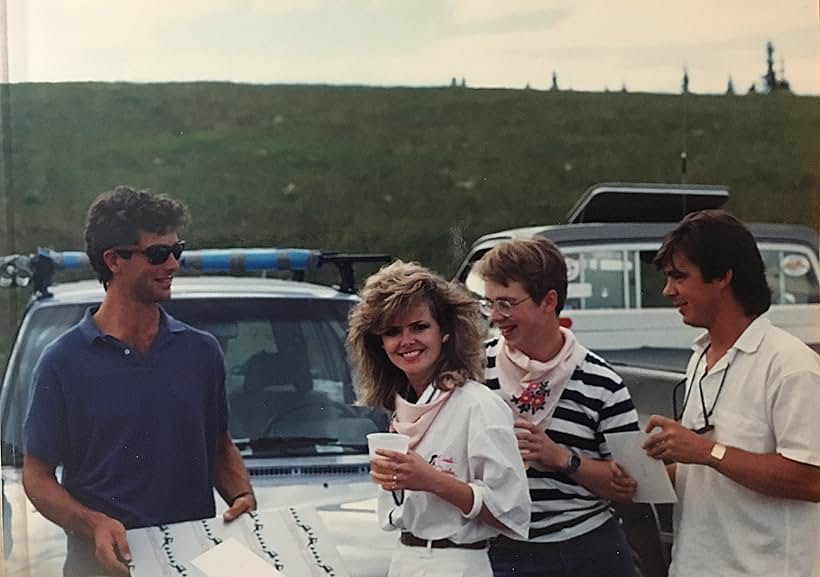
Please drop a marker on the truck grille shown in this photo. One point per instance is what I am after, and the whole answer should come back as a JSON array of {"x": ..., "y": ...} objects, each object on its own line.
[{"x": 309, "y": 471}]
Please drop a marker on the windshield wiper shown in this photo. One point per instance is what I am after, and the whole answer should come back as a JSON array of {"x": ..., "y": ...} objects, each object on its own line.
[
  {"x": 286, "y": 441},
  {"x": 285, "y": 444}
]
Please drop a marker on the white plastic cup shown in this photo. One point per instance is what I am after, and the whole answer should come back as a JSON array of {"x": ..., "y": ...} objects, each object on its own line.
[{"x": 390, "y": 441}]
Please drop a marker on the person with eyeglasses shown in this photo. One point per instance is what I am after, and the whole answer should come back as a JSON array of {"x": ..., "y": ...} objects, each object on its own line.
[
  {"x": 564, "y": 399},
  {"x": 745, "y": 456},
  {"x": 130, "y": 402}
]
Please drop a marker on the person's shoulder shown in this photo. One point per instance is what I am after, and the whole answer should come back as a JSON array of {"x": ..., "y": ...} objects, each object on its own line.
[
  {"x": 789, "y": 350},
  {"x": 480, "y": 396},
  {"x": 191, "y": 332},
  {"x": 593, "y": 369},
  {"x": 65, "y": 347},
  {"x": 485, "y": 410}
]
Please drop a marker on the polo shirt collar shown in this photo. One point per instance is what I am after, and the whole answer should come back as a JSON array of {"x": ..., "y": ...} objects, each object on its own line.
[
  {"x": 749, "y": 340},
  {"x": 90, "y": 330}
]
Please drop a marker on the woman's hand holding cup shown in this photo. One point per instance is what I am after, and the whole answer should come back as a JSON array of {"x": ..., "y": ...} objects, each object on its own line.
[{"x": 385, "y": 449}]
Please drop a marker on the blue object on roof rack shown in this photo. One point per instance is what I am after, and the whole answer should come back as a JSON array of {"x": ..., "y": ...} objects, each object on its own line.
[
  {"x": 250, "y": 260},
  {"x": 38, "y": 269}
]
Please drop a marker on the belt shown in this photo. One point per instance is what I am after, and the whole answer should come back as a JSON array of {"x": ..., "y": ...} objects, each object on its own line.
[{"x": 412, "y": 541}]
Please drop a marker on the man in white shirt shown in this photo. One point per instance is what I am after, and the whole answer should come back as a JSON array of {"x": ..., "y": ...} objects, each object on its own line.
[{"x": 745, "y": 456}]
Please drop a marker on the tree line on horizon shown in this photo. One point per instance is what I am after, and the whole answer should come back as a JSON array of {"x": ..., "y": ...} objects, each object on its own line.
[{"x": 771, "y": 82}]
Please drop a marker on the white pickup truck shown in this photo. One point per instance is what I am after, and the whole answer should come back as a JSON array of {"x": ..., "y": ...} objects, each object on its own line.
[{"x": 614, "y": 298}]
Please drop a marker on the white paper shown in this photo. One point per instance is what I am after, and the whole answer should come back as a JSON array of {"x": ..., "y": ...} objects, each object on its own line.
[
  {"x": 230, "y": 558},
  {"x": 292, "y": 540},
  {"x": 654, "y": 485}
]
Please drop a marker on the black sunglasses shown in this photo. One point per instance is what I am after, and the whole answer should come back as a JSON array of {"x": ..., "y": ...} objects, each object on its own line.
[{"x": 156, "y": 253}]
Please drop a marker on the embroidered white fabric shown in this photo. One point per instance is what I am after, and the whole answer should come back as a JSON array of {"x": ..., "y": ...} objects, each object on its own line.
[{"x": 471, "y": 438}]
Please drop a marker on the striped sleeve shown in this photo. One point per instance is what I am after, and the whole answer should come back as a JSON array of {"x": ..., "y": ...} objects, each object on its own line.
[
  {"x": 617, "y": 412},
  {"x": 492, "y": 347}
]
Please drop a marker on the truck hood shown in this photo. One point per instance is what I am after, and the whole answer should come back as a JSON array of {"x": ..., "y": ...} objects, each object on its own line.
[{"x": 338, "y": 487}]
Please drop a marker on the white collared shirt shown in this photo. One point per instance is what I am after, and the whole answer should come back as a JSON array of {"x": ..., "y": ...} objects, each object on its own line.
[
  {"x": 769, "y": 403},
  {"x": 472, "y": 437}
]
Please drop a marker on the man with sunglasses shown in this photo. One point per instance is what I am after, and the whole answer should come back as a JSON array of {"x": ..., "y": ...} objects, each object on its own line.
[
  {"x": 130, "y": 401},
  {"x": 745, "y": 457},
  {"x": 564, "y": 399}
]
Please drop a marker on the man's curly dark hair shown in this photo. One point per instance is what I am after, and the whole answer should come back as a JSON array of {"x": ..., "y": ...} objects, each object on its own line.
[{"x": 118, "y": 216}]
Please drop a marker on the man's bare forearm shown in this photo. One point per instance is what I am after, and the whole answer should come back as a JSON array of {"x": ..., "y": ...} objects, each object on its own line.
[
  {"x": 771, "y": 474},
  {"x": 231, "y": 475},
  {"x": 54, "y": 502}
]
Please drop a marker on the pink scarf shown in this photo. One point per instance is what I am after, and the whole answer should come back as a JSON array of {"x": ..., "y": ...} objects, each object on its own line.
[
  {"x": 414, "y": 419},
  {"x": 532, "y": 388}
]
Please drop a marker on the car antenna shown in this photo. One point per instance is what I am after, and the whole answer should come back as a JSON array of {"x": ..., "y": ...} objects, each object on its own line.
[{"x": 684, "y": 136}]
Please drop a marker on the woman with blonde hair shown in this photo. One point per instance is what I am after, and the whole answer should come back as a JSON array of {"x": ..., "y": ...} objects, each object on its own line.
[{"x": 417, "y": 346}]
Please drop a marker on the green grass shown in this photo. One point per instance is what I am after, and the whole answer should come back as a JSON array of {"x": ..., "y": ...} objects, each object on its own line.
[{"x": 417, "y": 172}]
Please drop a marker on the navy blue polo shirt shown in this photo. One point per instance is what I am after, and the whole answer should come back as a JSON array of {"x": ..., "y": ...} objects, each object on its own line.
[{"x": 136, "y": 434}]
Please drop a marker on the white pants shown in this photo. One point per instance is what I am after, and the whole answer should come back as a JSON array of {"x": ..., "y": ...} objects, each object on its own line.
[{"x": 449, "y": 562}]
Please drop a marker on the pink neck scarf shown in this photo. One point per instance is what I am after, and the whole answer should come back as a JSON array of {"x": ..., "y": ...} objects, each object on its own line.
[
  {"x": 532, "y": 388},
  {"x": 413, "y": 419}
]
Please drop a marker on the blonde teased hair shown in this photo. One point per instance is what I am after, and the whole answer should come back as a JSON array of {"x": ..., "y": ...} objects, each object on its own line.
[{"x": 391, "y": 291}]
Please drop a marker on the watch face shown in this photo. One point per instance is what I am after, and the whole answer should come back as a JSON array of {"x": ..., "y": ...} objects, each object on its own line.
[
  {"x": 574, "y": 463},
  {"x": 718, "y": 451}
]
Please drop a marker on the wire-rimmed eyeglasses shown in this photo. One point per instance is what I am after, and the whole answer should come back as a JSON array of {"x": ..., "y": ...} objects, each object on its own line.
[{"x": 504, "y": 307}]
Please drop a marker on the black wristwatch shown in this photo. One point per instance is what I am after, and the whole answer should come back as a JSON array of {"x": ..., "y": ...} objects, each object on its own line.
[{"x": 574, "y": 462}]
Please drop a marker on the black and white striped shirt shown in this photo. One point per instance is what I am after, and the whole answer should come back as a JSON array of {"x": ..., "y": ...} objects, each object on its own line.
[{"x": 594, "y": 402}]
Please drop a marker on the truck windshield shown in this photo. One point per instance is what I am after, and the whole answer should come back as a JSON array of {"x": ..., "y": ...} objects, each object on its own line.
[{"x": 287, "y": 371}]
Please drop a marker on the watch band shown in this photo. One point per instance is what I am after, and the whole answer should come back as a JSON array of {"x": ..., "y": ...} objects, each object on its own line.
[
  {"x": 574, "y": 462},
  {"x": 239, "y": 496}
]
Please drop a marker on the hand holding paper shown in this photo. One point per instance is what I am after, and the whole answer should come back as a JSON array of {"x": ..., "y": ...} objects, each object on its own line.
[{"x": 654, "y": 485}]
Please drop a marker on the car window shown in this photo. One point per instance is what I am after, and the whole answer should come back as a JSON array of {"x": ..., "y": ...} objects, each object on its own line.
[
  {"x": 598, "y": 279},
  {"x": 41, "y": 328},
  {"x": 473, "y": 281},
  {"x": 652, "y": 281},
  {"x": 790, "y": 274},
  {"x": 618, "y": 278}
]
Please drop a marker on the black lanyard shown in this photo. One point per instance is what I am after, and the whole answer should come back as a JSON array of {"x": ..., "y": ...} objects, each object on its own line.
[{"x": 707, "y": 426}]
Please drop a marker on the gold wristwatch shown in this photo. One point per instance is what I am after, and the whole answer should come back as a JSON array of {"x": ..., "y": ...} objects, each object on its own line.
[{"x": 716, "y": 454}]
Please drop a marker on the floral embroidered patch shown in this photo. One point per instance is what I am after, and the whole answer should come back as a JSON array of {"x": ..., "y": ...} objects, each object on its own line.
[
  {"x": 532, "y": 399},
  {"x": 443, "y": 463}
]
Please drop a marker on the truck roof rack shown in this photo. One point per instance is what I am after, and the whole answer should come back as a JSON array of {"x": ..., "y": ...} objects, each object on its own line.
[
  {"x": 644, "y": 202},
  {"x": 38, "y": 269}
]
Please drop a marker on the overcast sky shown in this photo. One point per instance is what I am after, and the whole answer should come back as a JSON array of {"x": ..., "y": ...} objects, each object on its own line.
[{"x": 591, "y": 44}]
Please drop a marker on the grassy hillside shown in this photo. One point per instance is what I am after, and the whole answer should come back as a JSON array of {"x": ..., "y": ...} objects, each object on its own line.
[{"x": 415, "y": 172}]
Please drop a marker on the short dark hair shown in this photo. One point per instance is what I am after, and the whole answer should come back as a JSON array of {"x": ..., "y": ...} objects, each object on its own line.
[
  {"x": 537, "y": 263},
  {"x": 117, "y": 217},
  {"x": 717, "y": 242}
]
